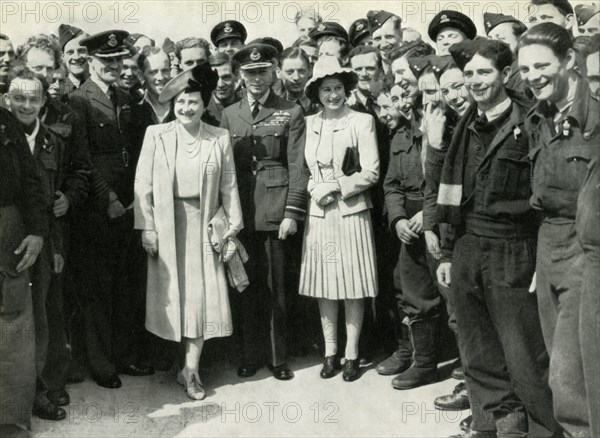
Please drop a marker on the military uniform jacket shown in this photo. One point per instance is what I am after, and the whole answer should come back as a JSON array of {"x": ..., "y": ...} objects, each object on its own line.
[
  {"x": 113, "y": 137},
  {"x": 561, "y": 154},
  {"x": 269, "y": 161}
]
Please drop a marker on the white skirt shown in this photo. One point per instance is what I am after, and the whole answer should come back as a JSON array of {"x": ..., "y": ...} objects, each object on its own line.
[{"x": 338, "y": 256}]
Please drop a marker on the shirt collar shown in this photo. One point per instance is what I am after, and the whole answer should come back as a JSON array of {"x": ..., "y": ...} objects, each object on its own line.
[
  {"x": 262, "y": 99},
  {"x": 103, "y": 86},
  {"x": 31, "y": 137},
  {"x": 75, "y": 81},
  {"x": 495, "y": 112}
]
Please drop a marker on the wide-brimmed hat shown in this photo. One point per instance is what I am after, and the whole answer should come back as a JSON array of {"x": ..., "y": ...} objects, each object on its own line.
[
  {"x": 328, "y": 66},
  {"x": 201, "y": 78}
]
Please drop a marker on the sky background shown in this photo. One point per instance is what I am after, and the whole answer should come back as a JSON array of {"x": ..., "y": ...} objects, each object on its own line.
[{"x": 180, "y": 19}]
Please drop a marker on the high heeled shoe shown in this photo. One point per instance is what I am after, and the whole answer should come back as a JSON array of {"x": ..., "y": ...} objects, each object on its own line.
[
  {"x": 330, "y": 364},
  {"x": 193, "y": 388}
]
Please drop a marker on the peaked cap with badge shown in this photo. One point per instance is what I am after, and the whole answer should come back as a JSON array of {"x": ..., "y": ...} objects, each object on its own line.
[
  {"x": 255, "y": 56},
  {"x": 228, "y": 29},
  {"x": 108, "y": 44},
  {"x": 327, "y": 28},
  {"x": 453, "y": 19},
  {"x": 269, "y": 41},
  {"x": 358, "y": 30}
]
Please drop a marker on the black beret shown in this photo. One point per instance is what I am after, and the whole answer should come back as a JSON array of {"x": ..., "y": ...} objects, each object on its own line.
[
  {"x": 66, "y": 33},
  {"x": 376, "y": 19},
  {"x": 108, "y": 44},
  {"x": 274, "y": 42},
  {"x": 328, "y": 28},
  {"x": 255, "y": 56},
  {"x": 492, "y": 20},
  {"x": 453, "y": 19},
  {"x": 358, "y": 30},
  {"x": 585, "y": 12},
  {"x": 228, "y": 29},
  {"x": 563, "y": 5},
  {"x": 201, "y": 78}
]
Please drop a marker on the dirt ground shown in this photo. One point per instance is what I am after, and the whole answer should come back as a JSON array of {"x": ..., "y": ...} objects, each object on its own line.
[{"x": 156, "y": 406}]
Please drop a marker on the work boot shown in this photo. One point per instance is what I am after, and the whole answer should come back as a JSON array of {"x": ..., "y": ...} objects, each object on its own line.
[
  {"x": 402, "y": 357},
  {"x": 423, "y": 371},
  {"x": 457, "y": 401}
]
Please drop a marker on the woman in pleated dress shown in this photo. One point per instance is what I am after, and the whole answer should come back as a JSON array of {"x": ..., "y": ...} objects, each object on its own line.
[
  {"x": 338, "y": 261},
  {"x": 185, "y": 174}
]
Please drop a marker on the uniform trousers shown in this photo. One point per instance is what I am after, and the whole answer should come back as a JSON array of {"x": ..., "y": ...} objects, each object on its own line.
[
  {"x": 503, "y": 353},
  {"x": 104, "y": 256},
  {"x": 260, "y": 310},
  {"x": 560, "y": 262}
]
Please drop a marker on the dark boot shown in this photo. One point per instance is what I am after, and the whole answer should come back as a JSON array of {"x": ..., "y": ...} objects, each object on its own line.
[
  {"x": 402, "y": 357},
  {"x": 423, "y": 371}
]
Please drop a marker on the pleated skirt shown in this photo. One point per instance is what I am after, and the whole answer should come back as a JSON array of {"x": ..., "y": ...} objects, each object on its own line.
[{"x": 338, "y": 256}]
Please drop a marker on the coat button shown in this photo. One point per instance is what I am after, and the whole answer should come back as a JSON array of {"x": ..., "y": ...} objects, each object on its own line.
[{"x": 102, "y": 125}]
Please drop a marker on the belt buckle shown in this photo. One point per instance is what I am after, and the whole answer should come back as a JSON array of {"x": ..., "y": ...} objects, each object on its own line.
[{"x": 254, "y": 165}]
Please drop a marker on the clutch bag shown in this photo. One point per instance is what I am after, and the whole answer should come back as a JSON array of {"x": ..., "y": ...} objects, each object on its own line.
[{"x": 351, "y": 163}]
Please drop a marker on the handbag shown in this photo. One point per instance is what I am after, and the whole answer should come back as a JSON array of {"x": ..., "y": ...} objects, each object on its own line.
[{"x": 351, "y": 162}]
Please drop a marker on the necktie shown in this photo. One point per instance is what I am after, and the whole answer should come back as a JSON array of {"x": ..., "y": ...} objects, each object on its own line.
[
  {"x": 255, "y": 109},
  {"x": 112, "y": 95}
]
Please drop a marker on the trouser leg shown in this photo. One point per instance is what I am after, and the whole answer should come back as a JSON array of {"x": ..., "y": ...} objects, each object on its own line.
[
  {"x": 278, "y": 293},
  {"x": 559, "y": 283},
  {"x": 508, "y": 267},
  {"x": 40, "y": 282}
]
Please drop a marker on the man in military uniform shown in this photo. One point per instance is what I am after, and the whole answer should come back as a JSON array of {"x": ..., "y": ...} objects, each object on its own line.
[
  {"x": 588, "y": 19},
  {"x": 225, "y": 93},
  {"x": 74, "y": 56},
  {"x": 228, "y": 36},
  {"x": 385, "y": 34},
  {"x": 328, "y": 28},
  {"x": 564, "y": 131},
  {"x": 551, "y": 11},
  {"x": 508, "y": 29},
  {"x": 267, "y": 135},
  {"x": 450, "y": 27},
  {"x": 358, "y": 33},
  {"x": 7, "y": 57},
  {"x": 105, "y": 221}
]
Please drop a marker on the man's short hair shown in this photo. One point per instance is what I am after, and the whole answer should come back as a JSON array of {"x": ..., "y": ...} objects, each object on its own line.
[
  {"x": 190, "y": 43},
  {"x": 305, "y": 40},
  {"x": 309, "y": 13},
  {"x": 42, "y": 42},
  {"x": 221, "y": 58},
  {"x": 20, "y": 71},
  {"x": 550, "y": 35},
  {"x": 293, "y": 53},
  {"x": 364, "y": 50},
  {"x": 563, "y": 6},
  {"x": 344, "y": 46},
  {"x": 146, "y": 52},
  {"x": 413, "y": 49}
]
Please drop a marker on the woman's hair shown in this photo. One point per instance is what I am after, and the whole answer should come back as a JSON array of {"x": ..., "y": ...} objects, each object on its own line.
[
  {"x": 293, "y": 53},
  {"x": 551, "y": 35},
  {"x": 348, "y": 80},
  {"x": 20, "y": 71}
]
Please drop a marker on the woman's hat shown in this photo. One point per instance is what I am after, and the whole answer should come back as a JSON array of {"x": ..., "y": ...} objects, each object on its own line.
[
  {"x": 328, "y": 66},
  {"x": 201, "y": 78}
]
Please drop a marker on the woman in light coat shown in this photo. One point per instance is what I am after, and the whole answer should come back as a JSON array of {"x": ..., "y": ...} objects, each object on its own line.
[
  {"x": 338, "y": 261},
  {"x": 185, "y": 174}
]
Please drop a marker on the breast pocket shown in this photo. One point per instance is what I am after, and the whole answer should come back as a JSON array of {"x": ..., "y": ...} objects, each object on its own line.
[
  {"x": 102, "y": 133},
  {"x": 270, "y": 141},
  {"x": 510, "y": 175},
  {"x": 276, "y": 183},
  {"x": 571, "y": 171}
]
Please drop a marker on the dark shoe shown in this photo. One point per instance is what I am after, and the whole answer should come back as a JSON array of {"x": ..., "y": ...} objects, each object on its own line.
[
  {"x": 351, "y": 370},
  {"x": 111, "y": 381},
  {"x": 457, "y": 401},
  {"x": 465, "y": 425},
  {"x": 281, "y": 372},
  {"x": 396, "y": 363},
  {"x": 13, "y": 431},
  {"x": 246, "y": 371},
  {"x": 330, "y": 364},
  {"x": 76, "y": 373},
  {"x": 423, "y": 371},
  {"x": 50, "y": 411},
  {"x": 59, "y": 397},
  {"x": 458, "y": 373},
  {"x": 135, "y": 370}
]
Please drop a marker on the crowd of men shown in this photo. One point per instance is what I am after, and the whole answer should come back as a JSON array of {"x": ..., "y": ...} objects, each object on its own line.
[{"x": 486, "y": 215}]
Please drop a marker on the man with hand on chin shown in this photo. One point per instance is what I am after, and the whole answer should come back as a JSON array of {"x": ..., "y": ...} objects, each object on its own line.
[
  {"x": 484, "y": 192},
  {"x": 267, "y": 135}
]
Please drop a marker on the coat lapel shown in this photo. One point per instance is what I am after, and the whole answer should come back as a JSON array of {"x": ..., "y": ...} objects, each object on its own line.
[
  {"x": 507, "y": 128},
  {"x": 244, "y": 111},
  {"x": 267, "y": 109},
  {"x": 169, "y": 143},
  {"x": 95, "y": 94},
  {"x": 208, "y": 143}
]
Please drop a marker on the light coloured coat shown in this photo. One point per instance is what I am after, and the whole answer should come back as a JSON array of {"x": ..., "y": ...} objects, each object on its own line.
[
  {"x": 154, "y": 210},
  {"x": 356, "y": 130}
]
